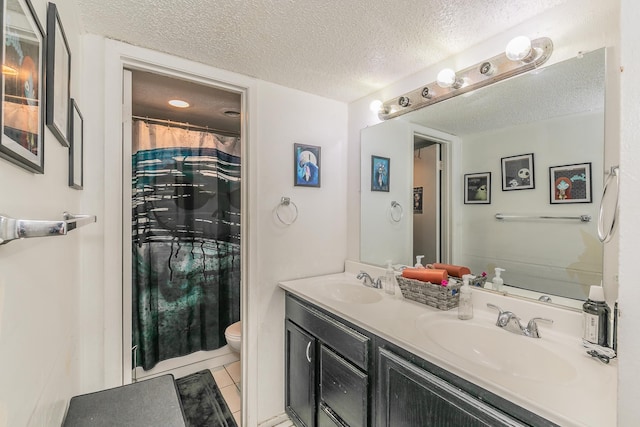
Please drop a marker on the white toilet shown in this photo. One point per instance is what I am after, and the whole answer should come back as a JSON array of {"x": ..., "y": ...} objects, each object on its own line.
[{"x": 233, "y": 334}]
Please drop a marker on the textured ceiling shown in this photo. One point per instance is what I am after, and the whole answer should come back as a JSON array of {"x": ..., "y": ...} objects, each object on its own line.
[{"x": 338, "y": 49}]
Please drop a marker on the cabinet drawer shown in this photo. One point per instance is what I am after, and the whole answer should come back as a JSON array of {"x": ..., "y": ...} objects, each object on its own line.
[
  {"x": 343, "y": 388},
  {"x": 348, "y": 342},
  {"x": 327, "y": 418}
]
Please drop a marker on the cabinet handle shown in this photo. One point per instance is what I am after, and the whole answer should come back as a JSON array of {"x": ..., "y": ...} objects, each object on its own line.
[{"x": 308, "y": 348}]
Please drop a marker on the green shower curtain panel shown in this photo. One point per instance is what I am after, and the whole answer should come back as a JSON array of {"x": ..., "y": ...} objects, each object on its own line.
[{"x": 186, "y": 249}]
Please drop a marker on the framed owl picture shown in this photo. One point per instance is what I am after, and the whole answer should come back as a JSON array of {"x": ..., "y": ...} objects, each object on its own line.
[{"x": 477, "y": 188}]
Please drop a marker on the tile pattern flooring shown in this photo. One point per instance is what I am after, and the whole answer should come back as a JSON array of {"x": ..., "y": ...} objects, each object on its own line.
[{"x": 228, "y": 380}]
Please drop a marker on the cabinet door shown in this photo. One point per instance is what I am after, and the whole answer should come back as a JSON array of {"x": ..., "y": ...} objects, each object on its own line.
[
  {"x": 300, "y": 375},
  {"x": 409, "y": 396}
]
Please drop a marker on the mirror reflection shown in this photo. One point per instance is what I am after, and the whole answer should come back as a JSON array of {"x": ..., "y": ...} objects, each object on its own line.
[{"x": 530, "y": 148}]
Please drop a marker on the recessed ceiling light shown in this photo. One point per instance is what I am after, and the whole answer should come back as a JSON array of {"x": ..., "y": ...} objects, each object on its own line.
[
  {"x": 179, "y": 103},
  {"x": 231, "y": 113}
]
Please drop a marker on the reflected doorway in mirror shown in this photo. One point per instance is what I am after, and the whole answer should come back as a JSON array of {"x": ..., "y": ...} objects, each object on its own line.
[
  {"x": 477, "y": 188},
  {"x": 380, "y": 173},
  {"x": 517, "y": 172}
]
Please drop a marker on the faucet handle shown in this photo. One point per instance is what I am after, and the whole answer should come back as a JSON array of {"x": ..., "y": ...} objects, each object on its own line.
[{"x": 532, "y": 326}]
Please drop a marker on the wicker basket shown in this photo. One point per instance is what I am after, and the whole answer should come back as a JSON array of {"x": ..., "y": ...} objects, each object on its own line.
[{"x": 438, "y": 296}]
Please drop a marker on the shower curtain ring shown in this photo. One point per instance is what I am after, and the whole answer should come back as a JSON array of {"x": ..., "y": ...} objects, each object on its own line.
[{"x": 286, "y": 201}]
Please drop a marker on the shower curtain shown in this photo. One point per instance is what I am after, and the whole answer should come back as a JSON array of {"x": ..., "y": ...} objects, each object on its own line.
[{"x": 185, "y": 240}]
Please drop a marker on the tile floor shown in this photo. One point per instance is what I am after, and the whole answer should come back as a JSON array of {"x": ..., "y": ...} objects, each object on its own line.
[{"x": 228, "y": 380}]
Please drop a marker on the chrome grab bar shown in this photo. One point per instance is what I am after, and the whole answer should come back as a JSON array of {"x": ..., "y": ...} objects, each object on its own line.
[
  {"x": 581, "y": 218},
  {"x": 605, "y": 234},
  {"x": 12, "y": 229}
]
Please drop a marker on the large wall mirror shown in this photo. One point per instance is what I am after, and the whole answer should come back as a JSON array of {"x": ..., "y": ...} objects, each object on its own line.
[{"x": 530, "y": 148}]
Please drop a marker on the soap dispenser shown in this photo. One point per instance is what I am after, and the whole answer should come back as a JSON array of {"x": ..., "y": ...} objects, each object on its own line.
[
  {"x": 419, "y": 261},
  {"x": 497, "y": 280},
  {"x": 390, "y": 279},
  {"x": 465, "y": 305}
]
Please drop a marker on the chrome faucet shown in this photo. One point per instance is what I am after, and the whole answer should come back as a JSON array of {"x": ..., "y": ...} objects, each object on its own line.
[
  {"x": 509, "y": 321},
  {"x": 368, "y": 280}
]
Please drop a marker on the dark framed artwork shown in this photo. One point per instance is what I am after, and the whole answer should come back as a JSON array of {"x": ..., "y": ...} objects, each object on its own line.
[
  {"x": 58, "y": 77},
  {"x": 477, "y": 188},
  {"x": 517, "y": 172},
  {"x": 307, "y": 165},
  {"x": 418, "y": 193},
  {"x": 76, "y": 149},
  {"x": 380, "y": 173},
  {"x": 23, "y": 86},
  {"x": 570, "y": 183}
]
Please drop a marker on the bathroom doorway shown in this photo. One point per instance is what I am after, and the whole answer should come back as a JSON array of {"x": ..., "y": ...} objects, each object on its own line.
[
  {"x": 427, "y": 198},
  {"x": 181, "y": 197}
]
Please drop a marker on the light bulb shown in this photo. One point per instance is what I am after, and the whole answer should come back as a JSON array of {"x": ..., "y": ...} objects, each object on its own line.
[
  {"x": 375, "y": 105},
  {"x": 519, "y": 48},
  {"x": 179, "y": 103},
  {"x": 446, "y": 78}
]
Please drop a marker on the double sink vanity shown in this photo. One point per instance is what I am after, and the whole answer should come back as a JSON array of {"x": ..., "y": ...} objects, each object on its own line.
[{"x": 359, "y": 357}]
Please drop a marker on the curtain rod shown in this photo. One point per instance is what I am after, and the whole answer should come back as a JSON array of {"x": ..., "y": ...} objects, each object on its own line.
[{"x": 186, "y": 125}]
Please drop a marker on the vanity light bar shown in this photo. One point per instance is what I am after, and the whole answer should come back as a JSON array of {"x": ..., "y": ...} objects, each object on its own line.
[{"x": 482, "y": 74}]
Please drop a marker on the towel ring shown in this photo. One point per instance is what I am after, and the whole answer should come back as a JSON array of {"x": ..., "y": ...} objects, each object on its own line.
[
  {"x": 399, "y": 207},
  {"x": 286, "y": 201},
  {"x": 605, "y": 236}
]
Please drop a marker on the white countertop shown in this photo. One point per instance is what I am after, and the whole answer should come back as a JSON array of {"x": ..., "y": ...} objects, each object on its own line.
[{"x": 583, "y": 394}]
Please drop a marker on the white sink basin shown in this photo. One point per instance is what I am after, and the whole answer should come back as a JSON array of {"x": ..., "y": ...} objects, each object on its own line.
[
  {"x": 349, "y": 291},
  {"x": 499, "y": 350}
]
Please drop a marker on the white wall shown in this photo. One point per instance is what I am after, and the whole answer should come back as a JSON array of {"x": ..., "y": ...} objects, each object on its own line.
[
  {"x": 629, "y": 228},
  {"x": 315, "y": 244},
  {"x": 41, "y": 280}
]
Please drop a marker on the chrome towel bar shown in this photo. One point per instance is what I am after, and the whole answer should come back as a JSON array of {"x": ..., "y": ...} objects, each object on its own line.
[
  {"x": 581, "y": 218},
  {"x": 11, "y": 228}
]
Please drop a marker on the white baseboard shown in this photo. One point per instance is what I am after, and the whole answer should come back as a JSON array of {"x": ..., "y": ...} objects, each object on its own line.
[
  {"x": 275, "y": 421},
  {"x": 182, "y": 366}
]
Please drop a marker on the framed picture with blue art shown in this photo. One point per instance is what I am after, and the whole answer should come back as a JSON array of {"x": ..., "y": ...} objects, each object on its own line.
[
  {"x": 570, "y": 183},
  {"x": 380, "y": 170},
  {"x": 307, "y": 165}
]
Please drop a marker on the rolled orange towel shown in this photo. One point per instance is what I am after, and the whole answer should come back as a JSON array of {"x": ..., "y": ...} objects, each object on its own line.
[
  {"x": 452, "y": 270},
  {"x": 426, "y": 275}
]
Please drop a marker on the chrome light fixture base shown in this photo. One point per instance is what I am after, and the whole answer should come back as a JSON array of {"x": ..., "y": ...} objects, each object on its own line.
[{"x": 479, "y": 75}]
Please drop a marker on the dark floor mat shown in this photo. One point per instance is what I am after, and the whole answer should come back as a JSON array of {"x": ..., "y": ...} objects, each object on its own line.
[{"x": 202, "y": 401}]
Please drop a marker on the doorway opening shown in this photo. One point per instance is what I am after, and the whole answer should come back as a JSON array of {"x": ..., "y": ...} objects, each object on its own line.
[
  {"x": 181, "y": 195},
  {"x": 428, "y": 165}
]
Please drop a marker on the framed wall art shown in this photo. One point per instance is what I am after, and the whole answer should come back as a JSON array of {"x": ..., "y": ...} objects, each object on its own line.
[
  {"x": 307, "y": 165},
  {"x": 76, "y": 149},
  {"x": 58, "y": 77},
  {"x": 477, "y": 188},
  {"x": 380, "y": 173},
  {"x": 517, "y": 172},
  {"x": 418, "y": 193},
  {"x": 23, "y": 86},
  {"x": 570, "y": 183}
]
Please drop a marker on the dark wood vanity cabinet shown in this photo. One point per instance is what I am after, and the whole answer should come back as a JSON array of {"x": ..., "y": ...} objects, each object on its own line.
[
  {"x": 327, "y": 365},
  {"x": 409, "y": 396},
  {"x": 340, "y": 375}
]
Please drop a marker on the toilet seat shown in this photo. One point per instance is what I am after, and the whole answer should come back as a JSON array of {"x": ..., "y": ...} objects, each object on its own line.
[{"x": 234, "y": 330}]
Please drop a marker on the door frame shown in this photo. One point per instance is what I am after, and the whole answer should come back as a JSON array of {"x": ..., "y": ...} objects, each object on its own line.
[
  {"x": 120, "y": 56},
  {"x": 450, "y": 148}
]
